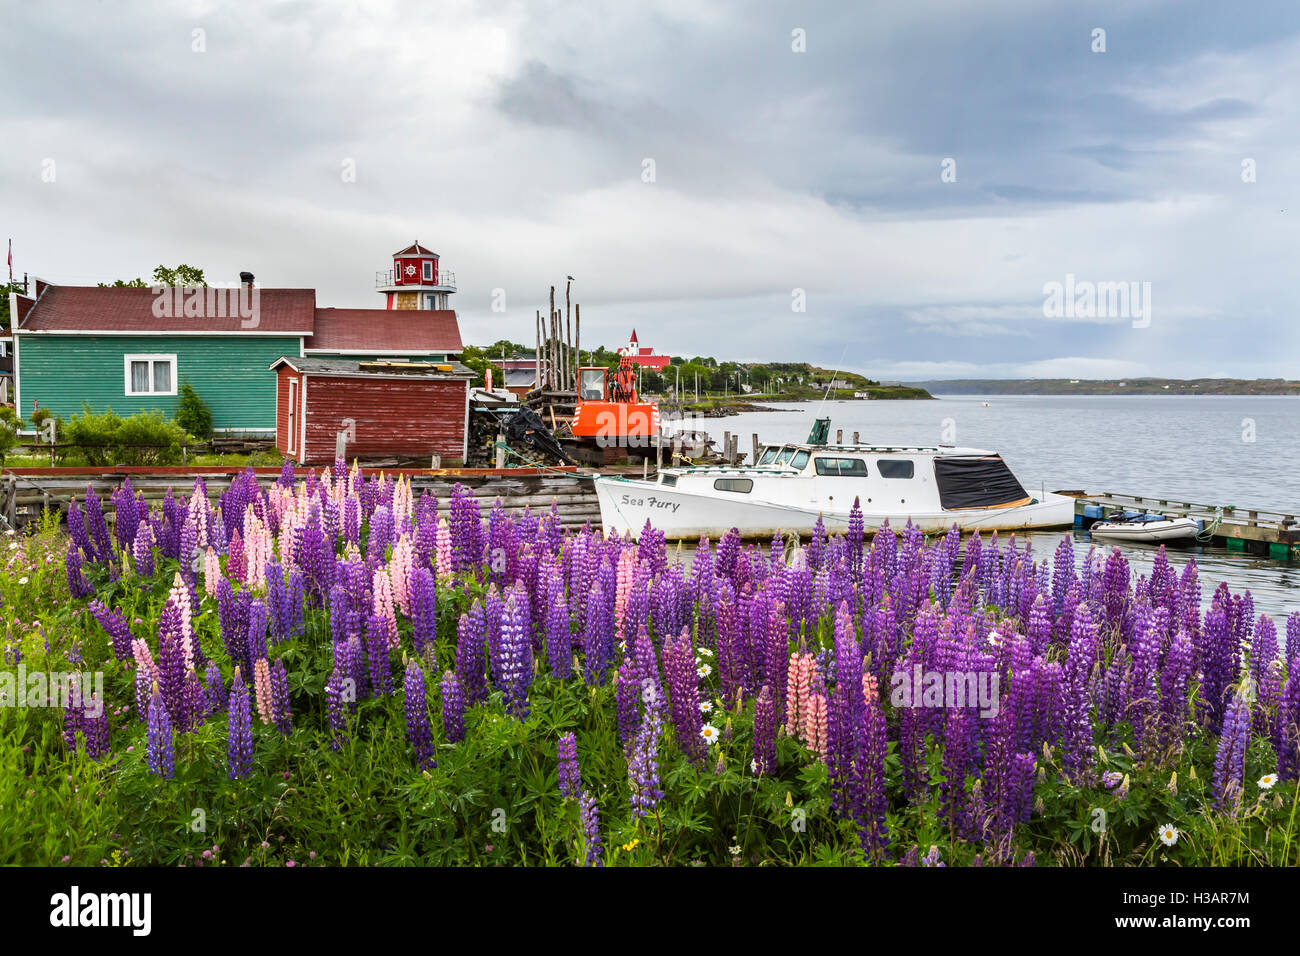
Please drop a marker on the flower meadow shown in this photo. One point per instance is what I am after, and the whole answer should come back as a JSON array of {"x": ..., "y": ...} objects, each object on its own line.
[{"x": 327, "y": 669}]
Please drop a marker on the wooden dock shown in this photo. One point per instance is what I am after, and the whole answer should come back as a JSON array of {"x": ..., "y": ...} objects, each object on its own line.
[
  {"x": 1273, "y": 534},
  {"x": 26, "y": 492}
]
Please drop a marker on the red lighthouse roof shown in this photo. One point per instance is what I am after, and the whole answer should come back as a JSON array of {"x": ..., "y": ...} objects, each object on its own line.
[{"x": 415, "y": 249}]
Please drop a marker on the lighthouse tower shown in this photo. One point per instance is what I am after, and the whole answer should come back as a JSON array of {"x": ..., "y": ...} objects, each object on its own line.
[{"x": 416, "y": 281}]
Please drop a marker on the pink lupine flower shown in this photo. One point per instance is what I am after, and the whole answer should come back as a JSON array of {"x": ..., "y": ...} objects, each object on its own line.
[
  {"x": 399, "y": 572},
  {"x": 383, "y": 603},
  {"x": 442, "y": 547},
  {"x": 180, "y": 596},
  {"x": 257, "y": 550},
  {"x": 815, "y": 724},
  {"x": 623, "y": 588},
  {"x": 799, "y": 684},
  {"x": 262, "y": 687},
  {"x": 144, "y": 659},
  {"x": 211, "y": 570}
]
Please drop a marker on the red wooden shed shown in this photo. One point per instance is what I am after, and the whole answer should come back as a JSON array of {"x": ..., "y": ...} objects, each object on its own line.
[{"x": 388, "y": 409}]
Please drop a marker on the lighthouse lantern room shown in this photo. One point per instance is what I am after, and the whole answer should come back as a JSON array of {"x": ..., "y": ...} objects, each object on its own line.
[{"x": 416, "y": 281}]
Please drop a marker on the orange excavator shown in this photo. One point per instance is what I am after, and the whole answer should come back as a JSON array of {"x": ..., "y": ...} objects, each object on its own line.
[{"x": 608, "y": 408}]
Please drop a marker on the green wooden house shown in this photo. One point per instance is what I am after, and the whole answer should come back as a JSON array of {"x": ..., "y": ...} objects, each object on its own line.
[{"x": 129, "y": 349}]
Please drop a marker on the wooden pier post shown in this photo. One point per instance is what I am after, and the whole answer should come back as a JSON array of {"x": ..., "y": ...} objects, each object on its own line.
[
  {"x": 754, "y": 461},
  {"x": 726, "y": 447},
  {"x": 855, "y": 439},
  {"x": 659, "y": 449},
  {"x": 839, "y": 436}
]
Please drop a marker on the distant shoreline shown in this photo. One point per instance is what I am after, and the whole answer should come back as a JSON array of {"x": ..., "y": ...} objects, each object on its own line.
[{"x": 1132, "y": 386}]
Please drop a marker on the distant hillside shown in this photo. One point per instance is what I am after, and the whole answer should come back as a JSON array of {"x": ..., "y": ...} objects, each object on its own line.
[
  {"x": 1113, "y": 386},
  {"x": 712, "y": 379}
]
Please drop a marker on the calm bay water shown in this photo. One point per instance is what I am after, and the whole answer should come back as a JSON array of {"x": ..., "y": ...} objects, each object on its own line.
[{"x": 1189, "y": 447}]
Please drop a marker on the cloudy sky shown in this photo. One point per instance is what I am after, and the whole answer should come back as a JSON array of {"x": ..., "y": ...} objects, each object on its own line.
[{"x": 514, "y": 138}]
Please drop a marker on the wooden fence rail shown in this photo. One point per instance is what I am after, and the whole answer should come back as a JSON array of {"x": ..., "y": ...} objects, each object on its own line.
[{"x": 25, "y": 496}]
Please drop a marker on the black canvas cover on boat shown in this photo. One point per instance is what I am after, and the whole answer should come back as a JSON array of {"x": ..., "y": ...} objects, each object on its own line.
[{"x": 977, "y": 482}]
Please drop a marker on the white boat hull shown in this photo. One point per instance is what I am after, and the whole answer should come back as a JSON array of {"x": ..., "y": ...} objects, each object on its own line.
[
  {"x": 1151, "y": 532},
  {"x": 626, "y": 504}
]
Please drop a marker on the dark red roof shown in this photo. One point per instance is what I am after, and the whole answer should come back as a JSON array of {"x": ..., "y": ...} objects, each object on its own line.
[
  {"x": 415, "y": 249},
  {"x": 95, "y": 309},
  {"x": 385, "y": 330}
]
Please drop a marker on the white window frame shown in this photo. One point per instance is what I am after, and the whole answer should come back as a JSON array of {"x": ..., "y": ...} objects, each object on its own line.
[
  {"x": 151, "y": 358},
  {"x": 293, "y": 416},
  {"x": 427, "y": 273}
]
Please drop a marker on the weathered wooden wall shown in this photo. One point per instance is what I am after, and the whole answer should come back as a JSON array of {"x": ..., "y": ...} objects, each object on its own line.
[{"x": 415, "y": 418}]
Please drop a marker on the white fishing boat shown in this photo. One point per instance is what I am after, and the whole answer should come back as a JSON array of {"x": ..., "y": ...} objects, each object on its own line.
[
  {"x": 1148, "y": 528},
  {"x": 792, "y": 485}
]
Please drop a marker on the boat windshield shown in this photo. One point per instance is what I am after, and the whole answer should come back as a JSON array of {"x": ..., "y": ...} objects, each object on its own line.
[{"x": 769, "y": 455}]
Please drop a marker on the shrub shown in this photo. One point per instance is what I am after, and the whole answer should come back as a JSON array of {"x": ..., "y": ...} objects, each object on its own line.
[
  {"x": 93, "y": 433},
  {"x": 9, "y": 425},
  {"x": 146, "y": 438},
  {"x": 193, "y": 414}
]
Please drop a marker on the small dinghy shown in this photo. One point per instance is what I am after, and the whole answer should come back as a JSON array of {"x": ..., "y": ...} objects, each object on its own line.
[{"x": 1156, "y": 529}]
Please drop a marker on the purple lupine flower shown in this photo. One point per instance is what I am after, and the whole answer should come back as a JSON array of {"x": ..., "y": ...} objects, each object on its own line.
[
  {"x": 682, "y": 678},
  {"x": 239, "y": 730},
  {"x": 172, "y": 666},
  {"x": 466, "y": 526},
  {"x": 416, "y": 705},
  {"x": 280, "y": 697},
  {"x": 336, "y": 692},
  {"x": 114, "y": 624},
  {"x": 77, "y": 582},
  {"x": 380, "y": 535},
  {"x": 559, "y": 636},
  {"x": 97, "y": 528},
  {"x": 72, "y": 718},
  {"x": 143, "y": 692},
  {"x": 764, "y": 732},
  {"x": 570, "y": 776},
  {"x": 215, "y": 690},
  {"x": 379, "y": 655},
  {"x": 590, "y": 817},
  {"x": 142, "y": 550},
  {"x": 424, "y": 609},
  {"x": 126, "y": 516},
  {"x": 470, "y": 663},
  {"x": 868, "y": 801},
  {"x": 643, "y": 757},
  {"x": 453, "y": 708},
  {"x": 515, "y": 670},
  {"x": 627, "y": 693},
  {"x": 96, "y": 729},
  {"x": 162, "y": 754},
  {"x": 1230, "y": 760},
  {"x": 1286, "y": 729},
  {"x": 352, "y": 520}
]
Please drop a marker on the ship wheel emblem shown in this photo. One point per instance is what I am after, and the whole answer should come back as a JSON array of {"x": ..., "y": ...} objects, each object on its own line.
[{"x": 410, "y": 270}]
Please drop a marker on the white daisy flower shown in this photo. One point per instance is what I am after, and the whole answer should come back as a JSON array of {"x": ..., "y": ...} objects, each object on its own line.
[
  {"x": 704, "y": 670},
  {"x": 706, "y": 707},
  {"x": 995, "y": 638},
  {"x": 1169, "y": 834},
  {"x": 709, "y": 733},
  {"x": 1266, "y": 782},
  {"x": 22, "y": 580},
  {"x": 704, "y": 652},
  {"x": 753, "y": 766},
  {"x": 13, "y": 545},
  {"x": 735, "y": 850}
]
